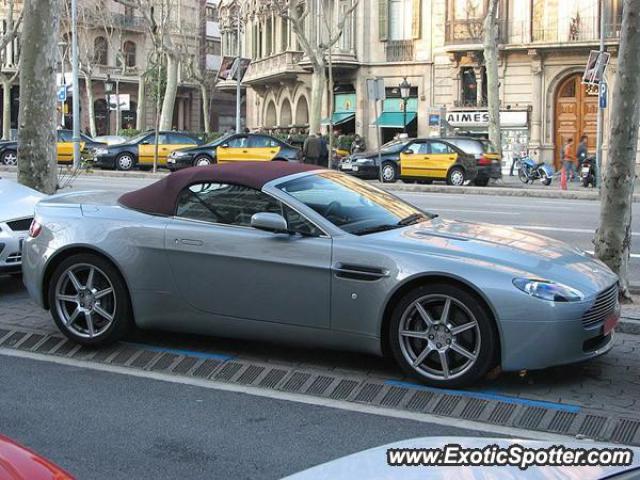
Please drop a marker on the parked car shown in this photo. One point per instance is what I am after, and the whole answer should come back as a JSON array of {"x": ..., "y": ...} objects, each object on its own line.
[
  {"x": 140, "y": 150},
  {"x": 487, "y": 157},
  {"x": 249, "y": 147},
  {"x": 372, "y": 464},
  {"x": 111, "y": 139},
  {"x": 17, "y": 204},
  {"x": 9, "y": 150},
  {"x": 426, "y": 160},
  {"x": 366, "y": 165},
  {"x": 289, "y": 252},
  {"x": 20, "y": 463}
]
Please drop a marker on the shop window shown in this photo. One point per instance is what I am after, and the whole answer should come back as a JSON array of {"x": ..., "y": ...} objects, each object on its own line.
[{"x": 469, "y": 88}]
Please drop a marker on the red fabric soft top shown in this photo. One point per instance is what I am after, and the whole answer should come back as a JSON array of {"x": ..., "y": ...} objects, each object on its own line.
[{"x": 160, "y": 198}]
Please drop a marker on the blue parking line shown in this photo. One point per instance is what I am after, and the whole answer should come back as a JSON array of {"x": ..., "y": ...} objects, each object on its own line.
[
  {"x": 489, "y": 395},
  {"x": 191, "y": 353}
]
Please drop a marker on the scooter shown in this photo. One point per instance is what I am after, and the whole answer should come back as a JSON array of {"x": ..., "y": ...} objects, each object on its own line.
[
  {"x": 530, "y": 171},
  {"x": 588, "y": 172}
]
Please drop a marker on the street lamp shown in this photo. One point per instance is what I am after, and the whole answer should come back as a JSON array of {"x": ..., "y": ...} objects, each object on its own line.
[
  {"x": 405, "y": 93},
  {"x": 108, "y": 90}
]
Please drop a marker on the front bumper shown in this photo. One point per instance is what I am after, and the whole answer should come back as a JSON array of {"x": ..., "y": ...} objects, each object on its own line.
[
  {"x": 104, "y": 161},
  {"x": 11, "y": 251},
  {"x": 178, "y": 163},
  {"x": 367, "y": 171}
]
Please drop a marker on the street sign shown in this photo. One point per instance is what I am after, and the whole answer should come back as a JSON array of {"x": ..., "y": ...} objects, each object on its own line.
[
  {"x": 604, "y": 90},
  {"x": 596, "y": 67},
  {"x": 375, "y": 89},
  {"x": 62, "y": 94}
]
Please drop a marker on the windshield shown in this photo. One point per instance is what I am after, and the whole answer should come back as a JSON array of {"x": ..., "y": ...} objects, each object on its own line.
[
  {"x": 393, "y": 146},
  {"x": 218, "y": 141},
  {"x": 138, "y": 138},
  {"x": 351, "y": 204}
]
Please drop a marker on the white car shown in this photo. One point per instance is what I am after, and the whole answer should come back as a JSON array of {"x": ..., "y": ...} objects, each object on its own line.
[{"x": 17, "y": 204}]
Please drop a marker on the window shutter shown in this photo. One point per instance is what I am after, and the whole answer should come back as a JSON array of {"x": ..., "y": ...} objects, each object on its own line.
[
  {"x": 416, "y": 26},
  {"x": 383, "y": 20}
]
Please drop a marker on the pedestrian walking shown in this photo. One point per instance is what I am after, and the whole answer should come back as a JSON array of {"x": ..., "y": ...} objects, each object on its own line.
[
  {"x": 583, "y": 150},
  {"x": 312, "y": 149},
  {"x": 569, "y": 160},
  {"x": 358, "y": 144}
]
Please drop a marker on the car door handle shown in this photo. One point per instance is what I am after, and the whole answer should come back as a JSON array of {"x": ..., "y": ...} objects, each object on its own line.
[
  {"x": 187, "y": 241},
  {"x": 245, "y": 151}
]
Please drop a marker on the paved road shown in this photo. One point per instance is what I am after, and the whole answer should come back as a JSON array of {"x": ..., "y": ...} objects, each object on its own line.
[
  {"x": 102, "y": 425},
  {"x": 573, "y": 221}
]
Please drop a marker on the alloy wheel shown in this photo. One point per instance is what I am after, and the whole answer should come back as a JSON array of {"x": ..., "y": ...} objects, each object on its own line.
[
  {"x": 202, "y": 162},
  {"x": 125, "y": 162},
  {"x": 85, "y": 300},
  {"x": 10, "y": 158},
  {"x": 457, "y": 178},
  {"x": 439, "y": 337},
  {"x": 388, "y": 173}
]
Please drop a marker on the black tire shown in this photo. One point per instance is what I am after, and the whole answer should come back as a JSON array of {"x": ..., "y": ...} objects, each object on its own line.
[
  {"x": 120, "y": 307},
  {"x": 9, "y": 157},
  {"x": 486, "y": 355},
  {"x": 586, "y": 181},
  {"x": 482, "y": 182},
  {"x": 546, "y": 181},
  {"x": 125, "y": 161},
  {"x": 456, "y": 176},
  {"x": 522, "y": 175},
  {"x": 202, "y": 161},
  {"x": 389, "y": 172}
]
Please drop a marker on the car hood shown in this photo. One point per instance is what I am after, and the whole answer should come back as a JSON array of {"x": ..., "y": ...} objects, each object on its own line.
[
  {"x": 17, "y": 201},
  {"x": 372, "y": 464},
  {"x": 521, "y": 252}
]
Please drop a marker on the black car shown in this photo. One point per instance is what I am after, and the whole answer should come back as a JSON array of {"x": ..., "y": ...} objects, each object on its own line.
[
  {"x": 235, "y": 148},
  {"x": 366, "y": 165},
  {"x": 140, "y": 151},
  {"x": 486, "y": 155},
  {"x": 9, "y": 149}
]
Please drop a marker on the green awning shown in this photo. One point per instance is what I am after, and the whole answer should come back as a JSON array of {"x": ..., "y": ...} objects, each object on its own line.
[
  {"x": 395, "y": 119},
  {"x": 339, "y": 118}
]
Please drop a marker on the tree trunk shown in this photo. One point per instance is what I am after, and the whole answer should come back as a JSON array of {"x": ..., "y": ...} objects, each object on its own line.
[
  {"x": 613, "y": 237},
  {"x": 88, "y": 83},
  {"x": 118, "y": 111},
  {"x": 491, "y": 33},
  {"x": 205, "y": 108},
  {"x": 6, "y": 108},
  {"x": 166, "y": 118},
  {"x": 318, "y": 86},
  {"x": 37, "y": 162},
  {"x": 141, "y": 113}
]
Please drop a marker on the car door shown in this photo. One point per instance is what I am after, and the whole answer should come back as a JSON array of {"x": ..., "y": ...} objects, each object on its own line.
[
  {"x": 223, "y": 266},
  {"x": 263, "y": 148},
  {"x": 147, "y": 148},
  {"x": 64, "y": 146},
  {"x": 440, "y": 158},
  {"x": 413, "y": 160},
  {"x": 176, "y": 141},
  {"x": 236, "y": 149}
]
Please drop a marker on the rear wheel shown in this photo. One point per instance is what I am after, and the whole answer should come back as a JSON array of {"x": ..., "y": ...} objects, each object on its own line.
[
  {"x": 125, "y": 161},
  {"x": 89, "y": 300},
  {"x": 545, "y": 179},
  {"x": 9, "y": 157},
  {"x": 389, "y": 173},
  {"x": 443, "y": 335},
  {"x": 456, "y": 177},
  {"x": 202, "y": 161}
]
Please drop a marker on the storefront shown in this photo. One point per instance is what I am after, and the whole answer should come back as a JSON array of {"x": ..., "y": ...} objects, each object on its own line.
[
  {"x": 395, "y": 119},
  {"x": 514, "y": 125},
  {"x": 344, "y": 114}
]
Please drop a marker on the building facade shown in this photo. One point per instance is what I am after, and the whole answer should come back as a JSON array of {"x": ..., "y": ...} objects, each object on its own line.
[{"x": 437, "y": 46}]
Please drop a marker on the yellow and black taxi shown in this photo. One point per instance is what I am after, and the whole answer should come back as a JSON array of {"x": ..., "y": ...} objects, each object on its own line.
[
  {"x": 242, "y": 147},
  {"x": 140, "y": 150},
  {"x": 488, "y": 159},
  {"x": 9, "y": 149},
  {"x": 436, "y": 159}
]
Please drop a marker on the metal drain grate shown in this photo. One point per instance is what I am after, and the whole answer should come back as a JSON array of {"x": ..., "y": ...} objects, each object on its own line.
[{"x": 473, "y": 406}]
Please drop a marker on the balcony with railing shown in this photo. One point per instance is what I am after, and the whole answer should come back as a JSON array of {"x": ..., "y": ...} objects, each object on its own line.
[
  {"x": 400, "y": 50},
  {"x": 275, "y": 67},
  {"x": 578, "y": 29}
]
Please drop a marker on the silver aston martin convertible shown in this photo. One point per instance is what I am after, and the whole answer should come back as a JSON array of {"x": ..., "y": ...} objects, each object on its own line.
[{"x": 293, "y": 253}]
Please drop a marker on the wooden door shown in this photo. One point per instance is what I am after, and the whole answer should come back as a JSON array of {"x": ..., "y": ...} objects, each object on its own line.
[{"x": 576, "y": 113}]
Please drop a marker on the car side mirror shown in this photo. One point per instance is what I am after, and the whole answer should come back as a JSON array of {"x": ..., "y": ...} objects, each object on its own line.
[
  {"x": 408, "y": 152},
  {"x": 224, "y": 145},
  {"x": 145, "y": 142},
  {"x": 269, "y": 222}
]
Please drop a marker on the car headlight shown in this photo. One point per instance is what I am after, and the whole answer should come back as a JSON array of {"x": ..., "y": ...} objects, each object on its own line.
[
  {"x": 549, "y": 291},
  {"x": 364, "y": 161},
  {"x": 179, "y": 154},
  {"x": 101, "y": 151}
]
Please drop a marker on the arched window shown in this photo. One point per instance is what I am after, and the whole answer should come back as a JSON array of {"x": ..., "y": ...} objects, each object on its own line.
[
  {"x": 129, "y": 51},
  {"x": 100, "y": 51}
]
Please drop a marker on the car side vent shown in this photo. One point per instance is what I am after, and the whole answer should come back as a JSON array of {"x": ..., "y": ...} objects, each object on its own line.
[
  {"x": 20, "y": 225},
  {"x": 359, "y": 272}
]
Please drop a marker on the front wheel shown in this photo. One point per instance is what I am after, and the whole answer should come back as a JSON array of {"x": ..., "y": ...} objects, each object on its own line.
[
  {"x": 522, "y": 175},
  {"x": 202, "y": 161},
  {"x": 89, "y": 300},
  {"x": 389, "y": 173},
  {"x": 125, "y": 161},
  {"x": 443, "y": 335},
  {"x": 10, "y": 158},
  {"x": 456, "y": 177}
]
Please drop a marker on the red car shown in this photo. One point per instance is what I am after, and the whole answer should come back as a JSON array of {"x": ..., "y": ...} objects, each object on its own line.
[{"x": 20, "y": 463}]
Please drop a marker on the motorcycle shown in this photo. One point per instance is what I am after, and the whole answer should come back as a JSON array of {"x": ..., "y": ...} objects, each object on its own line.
[
  {"x": 530, "y": 170},
  {"x": 588, "y": 172}
]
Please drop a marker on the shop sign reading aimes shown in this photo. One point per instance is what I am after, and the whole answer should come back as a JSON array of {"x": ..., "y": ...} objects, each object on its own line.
[{"x": 480, "y": 118}]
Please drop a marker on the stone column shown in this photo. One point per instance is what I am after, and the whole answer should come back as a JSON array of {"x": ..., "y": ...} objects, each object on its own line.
[
  {"x": 455, "y": 79},
  {"x": 537, "y": 102},
  {"x": 479, "y": 85}
]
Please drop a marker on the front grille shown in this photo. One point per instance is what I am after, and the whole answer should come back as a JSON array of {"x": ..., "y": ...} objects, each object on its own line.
[
  {"x": 606, "y": 303},
  {"x": 20, "y": 225}
]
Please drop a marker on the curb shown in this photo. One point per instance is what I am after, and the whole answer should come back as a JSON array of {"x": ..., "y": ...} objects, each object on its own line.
[
  {"x": 106, "y": 173},
  {"x": 499, "y": 191},
  {"x": 630, "y": 326}
]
